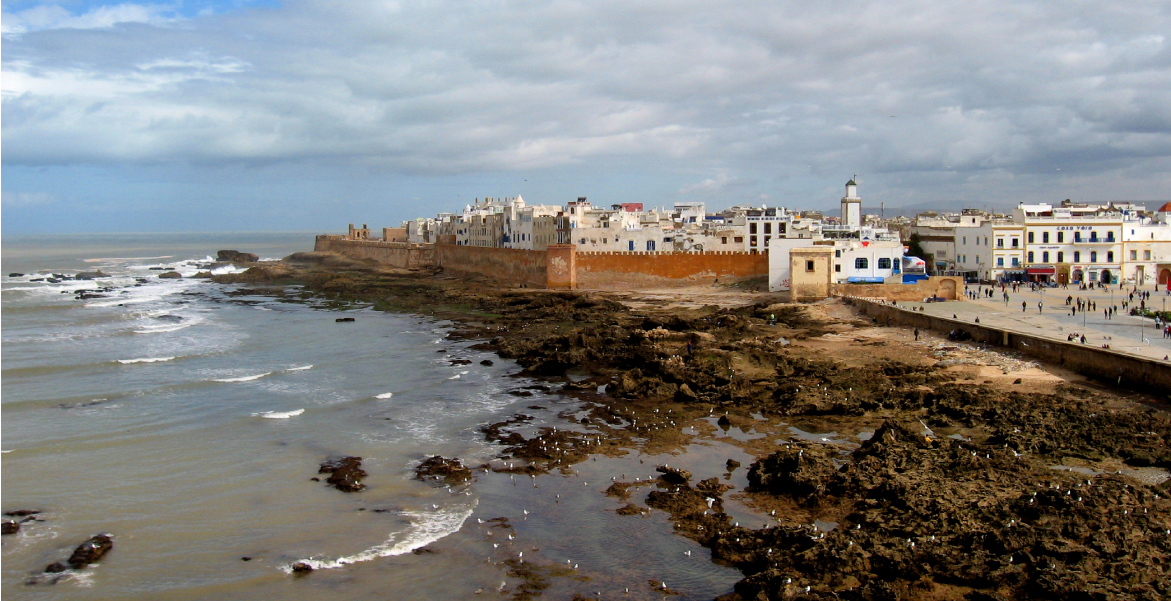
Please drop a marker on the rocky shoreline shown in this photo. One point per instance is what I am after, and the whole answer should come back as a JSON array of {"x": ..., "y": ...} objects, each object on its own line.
[{"x": 924, "y": 479}]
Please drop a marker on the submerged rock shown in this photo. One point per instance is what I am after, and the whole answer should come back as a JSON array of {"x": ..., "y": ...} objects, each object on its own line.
[
  {"x": 346, "y": 474},
  {"x": 10, "y": 527},
  {"x": 671, "y": 475},
  {"x": 302, "y": 568},
  {"x": 171, "y": 275}
]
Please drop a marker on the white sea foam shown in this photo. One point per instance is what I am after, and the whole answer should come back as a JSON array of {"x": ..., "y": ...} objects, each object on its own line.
[
  {"x": 163, "y": 328},
  {"x": 385, "y": 395},
  {"x": 302, "y": 368},
  {"x": 243, "y": 378},
  {"x": 455, "y": 377},
  {"x": 425, "y": 528},
  {"x": 145, "y": 360},
  {"x": 279, "y": 414},
  {"x": 8, "y": 451}
]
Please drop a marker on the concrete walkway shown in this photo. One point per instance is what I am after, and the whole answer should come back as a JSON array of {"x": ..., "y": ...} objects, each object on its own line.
[{"x": 1124, "y": 333}]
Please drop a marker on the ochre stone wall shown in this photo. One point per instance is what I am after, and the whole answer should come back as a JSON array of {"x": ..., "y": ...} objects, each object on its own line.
[
  {"x": 806, "y": 284},
  {"x": 510, "y": 266},
  {"x": 393, "y": 254},
  {"x": 948, "y": 287},
  {"x": 611, "y": 270}
]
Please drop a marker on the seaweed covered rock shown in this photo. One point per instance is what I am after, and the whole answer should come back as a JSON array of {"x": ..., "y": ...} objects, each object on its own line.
[
  {"x": 451, "y": 471},
  {"x": 672, "y": 475},
  {"x": 346, "y": 474}
]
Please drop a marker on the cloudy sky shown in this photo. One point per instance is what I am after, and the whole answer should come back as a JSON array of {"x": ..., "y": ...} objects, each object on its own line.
[{"x": 306, "y": 115}]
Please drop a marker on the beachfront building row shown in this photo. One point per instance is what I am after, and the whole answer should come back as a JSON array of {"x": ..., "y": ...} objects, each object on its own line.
[{"x": 1069, "y": 243}]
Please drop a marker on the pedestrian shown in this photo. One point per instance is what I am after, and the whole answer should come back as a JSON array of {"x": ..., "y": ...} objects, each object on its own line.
[
  {"x": 1083, "y": 338},
  {"x": 916, "y": 334},
  {"x": 1024, "y": 306},
  {"x": 1040, "y": 306}
]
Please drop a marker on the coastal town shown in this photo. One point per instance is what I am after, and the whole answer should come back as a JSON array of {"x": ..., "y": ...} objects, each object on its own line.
[{"x": 1118, "y": 243}]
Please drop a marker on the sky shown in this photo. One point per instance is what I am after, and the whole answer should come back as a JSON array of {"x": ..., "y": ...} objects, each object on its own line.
[{"x": 241, "y": 115}]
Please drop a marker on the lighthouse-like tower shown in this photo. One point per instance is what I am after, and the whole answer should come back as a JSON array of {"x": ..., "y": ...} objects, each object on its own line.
[{"x": 852, "y": 206}]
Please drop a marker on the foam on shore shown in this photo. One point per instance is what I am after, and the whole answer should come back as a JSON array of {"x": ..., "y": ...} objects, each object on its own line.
[
  {"x": 145, "y": 360},
  {"x": 243, "y": 378},
  {"x": 279, "y": 414}
]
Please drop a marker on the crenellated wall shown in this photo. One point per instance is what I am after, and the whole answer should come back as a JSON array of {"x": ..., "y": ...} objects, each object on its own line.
[{"x": 509, "y": 265}]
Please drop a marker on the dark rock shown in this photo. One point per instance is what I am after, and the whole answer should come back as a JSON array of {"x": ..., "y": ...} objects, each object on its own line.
[
  {"x": 520, "y": 393},
  {"x": 235, "y": 256},
  {"x": 487, "y": 362},
  {"x": 724, "y": 421},
  {"x": 202, "y": 274},
  {"x": 794, "y": 472},
  {"x": 629, "y": 509},
  {"x": 245, "y": 558},
  {"x": 345, "y": 474},
  {"x": 20, "y": 513},
  {"x": 9, "y": 527},
  {"x": 302, "y": 568},
  {"x": 171, "y": 275},
  {"x": 713, "y": 486},
  {"x": 158, "y": 269},
  {"x": 461, "y": 361},
  {"x": 732, "y": 464},
  {"x": 89, "y": 275},
  {"x": 344, "y": 319},
  {"x": 16, "y": 275},
  {"x": 451, "y": 471},
  {"x": 90, "y": 551},
  {"x": 57, "y": 567},
  {"x": 671, "y": 475},
  {"x": 53, "y": 280}
]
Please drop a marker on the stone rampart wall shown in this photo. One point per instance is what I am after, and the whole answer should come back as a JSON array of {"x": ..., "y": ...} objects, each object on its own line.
[
  {"x": 393, "y": 254},
  {"x": 948, "y": 287},
  {"x": 614, "y": 270},
  {"x": 510, "y": 266}
]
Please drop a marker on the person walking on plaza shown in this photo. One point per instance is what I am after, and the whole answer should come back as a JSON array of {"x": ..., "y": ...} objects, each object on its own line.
[
  {"x": 1024, "y": 306},
  {"x": 916, "y": 334},
  {"x": 1040, "y": 306}
]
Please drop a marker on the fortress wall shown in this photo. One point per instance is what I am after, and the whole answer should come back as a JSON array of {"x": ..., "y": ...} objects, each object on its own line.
[
  {"x": 1113, "y": 367},
  {"x": 392, "y": 254},
  {"x": 612, "y": 270},
  {"x": 510, "y": 266}
]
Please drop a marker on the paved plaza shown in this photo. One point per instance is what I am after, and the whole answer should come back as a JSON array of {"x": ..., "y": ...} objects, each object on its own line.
[{"x": 1123, "y": 332}]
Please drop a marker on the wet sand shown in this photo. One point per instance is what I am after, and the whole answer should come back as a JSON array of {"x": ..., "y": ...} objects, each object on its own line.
[{"x": 868, "y": 465}]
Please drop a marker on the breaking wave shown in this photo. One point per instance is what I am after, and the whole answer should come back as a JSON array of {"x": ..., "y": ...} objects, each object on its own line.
[
  {"x": 243, "y": 378},
  {"x": 425, "y": 528},
  {"x": 279, "y": 414},
  {"x": 145, "y": 360},
  {"x": 385, "y": 395}
]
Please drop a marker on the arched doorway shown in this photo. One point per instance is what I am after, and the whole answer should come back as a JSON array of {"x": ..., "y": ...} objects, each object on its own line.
[
  {"x": 1105, "y": 277},
  {"x": 1078, "y": 276},
  {"x": 1165, "y": 278}
]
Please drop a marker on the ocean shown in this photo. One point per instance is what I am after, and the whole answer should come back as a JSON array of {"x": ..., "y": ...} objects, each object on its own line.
[{"x": 187, "y": 418}]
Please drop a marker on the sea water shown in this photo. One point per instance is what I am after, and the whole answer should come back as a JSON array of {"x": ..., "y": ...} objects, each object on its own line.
[{"x": 187, "y": 418}]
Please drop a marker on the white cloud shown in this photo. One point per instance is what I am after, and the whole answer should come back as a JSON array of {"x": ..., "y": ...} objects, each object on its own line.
[
  {"x": 16, "y": 200},
  {"x": 710, "y": 185},
  {"x": 39, "y": 18}
]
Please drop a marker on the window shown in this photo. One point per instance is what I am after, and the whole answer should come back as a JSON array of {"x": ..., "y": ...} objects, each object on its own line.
[
  {"x": 768, "y": 228},
  {"x": 1030, "y": 237},
  {"x": 631, "y": 242},
  {"x": 1030, "y": 256},
  {"x": 1000, "y": 243},
  {"x": 738, "y": 239},
  {"x": 1093, "y": 236},
  {"x": 1110, "y": 256},
  {"x": 1093, "y": 256},
  {"x": 1134, "y": 255},
  {"x": 1044, "y": 237},
  {"x": 751, "y": 228},
  {"x": 1077, "y": 256},
  {"x": 1146, "y": 255},
  {"x": 1000, "y": 261},
  {"x": 808, "y": 265},
  {"x": 1060, "y": 257},
  {"x": 861, "y": 263},
  {"x": 1016, "y": 262},
  {"x": 838, "y": 253},
  {"x": 837, "y": 268},
  {"x": 1045, "y": 257},
  {"x": 965, "y": 239},
  {"x": 1016, "y": 242},
  {"x": 723, "y": 239},
  {"x": 1109, "y": 236},
  {"x": 1060, "y": 237},
  {"x": 884, "y": 263},
  {"x": 650, "y": 245}
]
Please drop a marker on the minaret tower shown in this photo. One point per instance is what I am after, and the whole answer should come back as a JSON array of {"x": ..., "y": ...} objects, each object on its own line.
[{"x": 852, "y": 205}]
